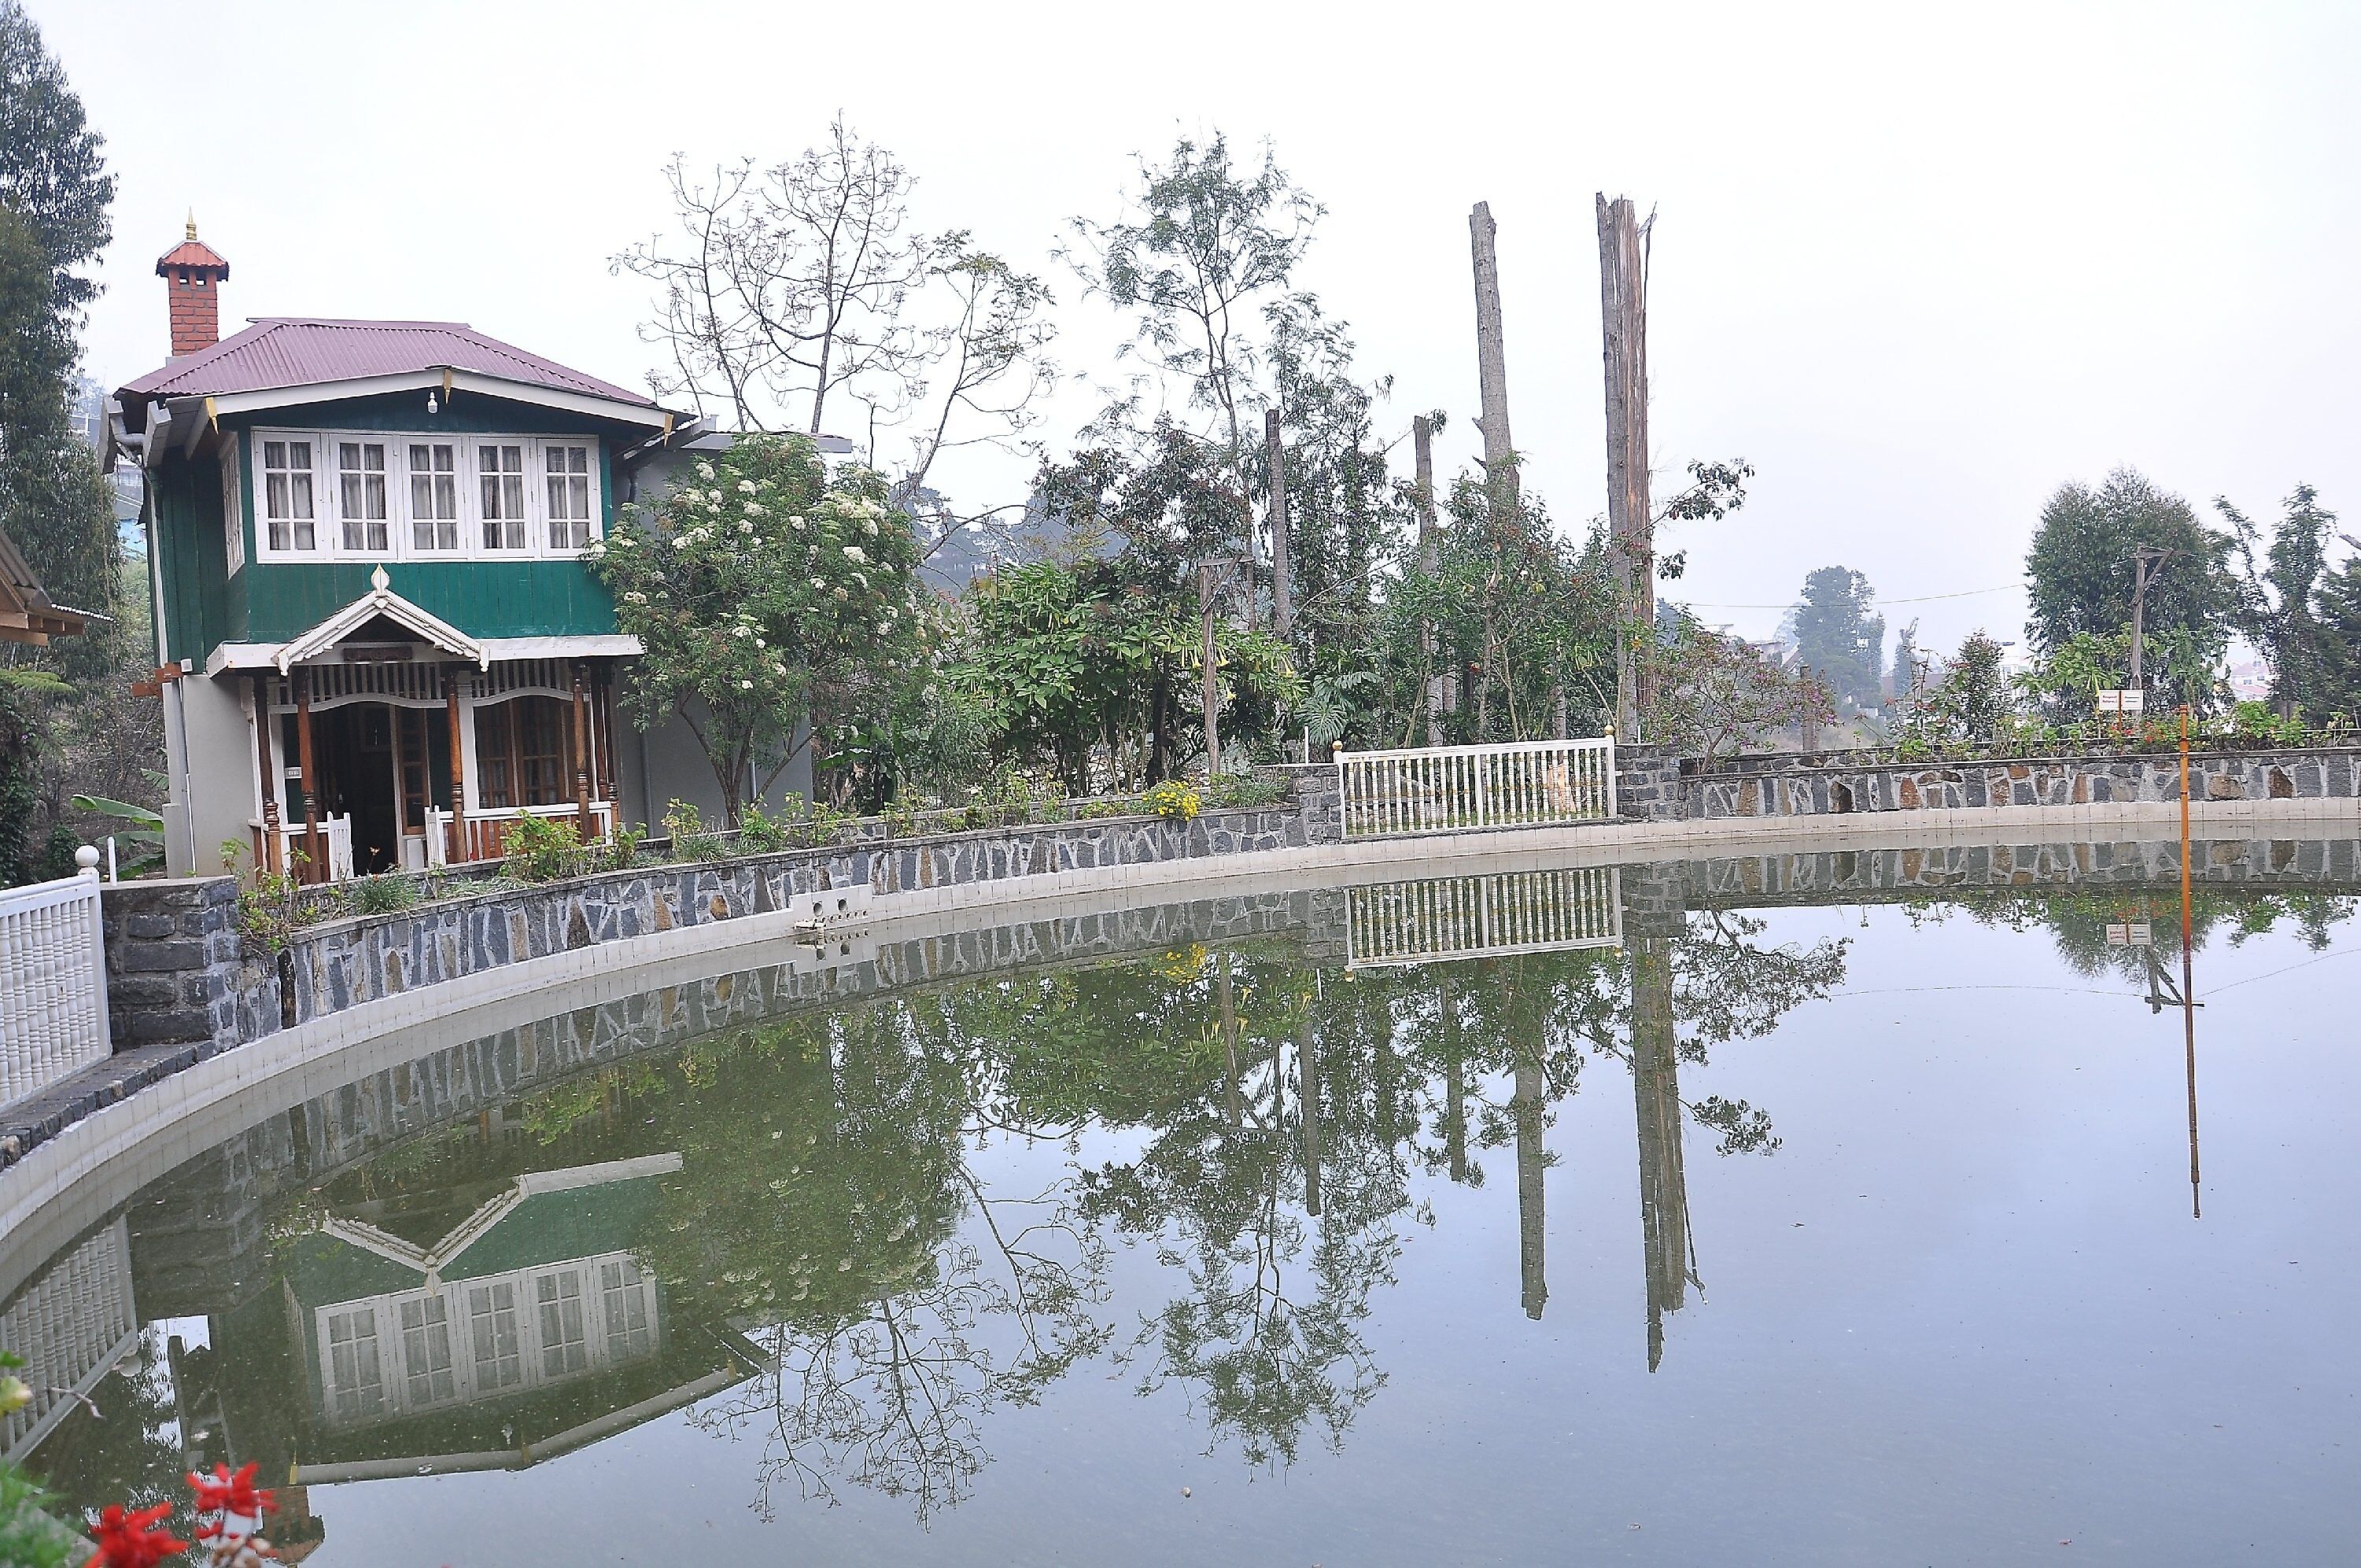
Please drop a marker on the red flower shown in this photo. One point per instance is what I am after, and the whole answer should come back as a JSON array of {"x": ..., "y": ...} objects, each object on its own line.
[
  {"x": 133, "y": 1540},
  {"x": 223, "y": 1493}
]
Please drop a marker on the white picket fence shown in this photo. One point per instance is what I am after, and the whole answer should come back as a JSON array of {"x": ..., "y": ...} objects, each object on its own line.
[
  {"x": 1491, "y": 916},
  {"x": 1447, "y": 789},
  {"x": 52, "y": 983}
]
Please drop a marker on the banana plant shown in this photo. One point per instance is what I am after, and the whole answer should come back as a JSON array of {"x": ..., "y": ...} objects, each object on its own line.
[{"x": 138, "y": 845}]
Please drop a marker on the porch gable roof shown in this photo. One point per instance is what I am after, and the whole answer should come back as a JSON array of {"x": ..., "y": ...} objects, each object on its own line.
[{"x": 381, "y": 600}]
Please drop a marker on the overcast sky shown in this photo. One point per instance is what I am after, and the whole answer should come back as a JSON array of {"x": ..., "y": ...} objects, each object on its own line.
[{"x": 1920, "y": 265}]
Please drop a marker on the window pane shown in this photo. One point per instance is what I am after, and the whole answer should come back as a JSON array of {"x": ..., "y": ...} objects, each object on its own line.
[
  {"x": 274, "y": 455},
  {"x": 300, "y": 486}
]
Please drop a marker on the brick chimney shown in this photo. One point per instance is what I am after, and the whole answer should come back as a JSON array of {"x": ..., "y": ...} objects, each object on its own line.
[{"x": 192, "y": 276}]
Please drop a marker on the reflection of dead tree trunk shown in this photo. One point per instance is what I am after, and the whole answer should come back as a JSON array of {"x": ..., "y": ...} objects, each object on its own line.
[
  {"x": 1229, "y": 1042},
  {"x": 1526, "y": 1107},
  {"x": 1656, "y": 1089},
  {"x": 1455, "y": 1090},
  {"x": 1307, "y": 1092}
]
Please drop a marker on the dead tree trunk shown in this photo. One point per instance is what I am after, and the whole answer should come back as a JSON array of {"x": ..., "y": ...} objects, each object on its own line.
[
  {"x": 1630, "y": 529},
  {"x": 1491, "y": 364},
  {"x": 1429, "y": 558},
  {"x": 1282, "y": 585}
]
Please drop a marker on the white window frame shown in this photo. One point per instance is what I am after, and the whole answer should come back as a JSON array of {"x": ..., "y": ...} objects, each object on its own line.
[
  {"x": 321, "y": 521},
  {"x": 552, "y": 478},
  {"x": 351, "y": 481},
  {"x": 233, "y": 506},
  {"x": 456, "y": 480},
  {"x": 401, "y": 520}
]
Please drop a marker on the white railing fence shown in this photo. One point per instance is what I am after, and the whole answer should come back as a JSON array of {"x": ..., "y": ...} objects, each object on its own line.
[
  {"x": 1448, "y": 789},
  {"x": 336, "y": 845},
  {"x": 53, "y": 981},
  {"x": 1491, "y": 916}
]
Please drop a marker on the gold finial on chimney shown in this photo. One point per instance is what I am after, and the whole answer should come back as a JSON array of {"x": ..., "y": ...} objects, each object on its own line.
[{"x": 193, "y": 223}]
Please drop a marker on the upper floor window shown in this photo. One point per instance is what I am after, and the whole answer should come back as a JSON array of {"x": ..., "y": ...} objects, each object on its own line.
[
  {"x": 233, "y": 509},
  {"x": 360, "y": 495},
  {"x": 433, "y": 495},
  {"x": 502, "y": 469},
  {"x": 568, "y": 472},
  {"x": 287, "y": 494}
]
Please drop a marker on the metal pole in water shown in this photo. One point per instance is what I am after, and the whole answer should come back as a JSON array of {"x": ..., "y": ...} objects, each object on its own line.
[{"x": 2188, "y": 996}]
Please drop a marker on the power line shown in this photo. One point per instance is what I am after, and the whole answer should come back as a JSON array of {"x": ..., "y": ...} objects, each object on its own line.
[{"x": 1921, "y": 598}]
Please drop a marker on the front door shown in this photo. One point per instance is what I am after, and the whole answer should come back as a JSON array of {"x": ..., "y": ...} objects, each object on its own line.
[{"x": 353, "y": 748}]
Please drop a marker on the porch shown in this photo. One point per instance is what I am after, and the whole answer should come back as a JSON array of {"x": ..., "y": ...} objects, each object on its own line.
[{"x": 374, "y": 757}]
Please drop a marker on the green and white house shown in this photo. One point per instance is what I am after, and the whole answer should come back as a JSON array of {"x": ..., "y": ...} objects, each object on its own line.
[{"x": 379, "y": 640}]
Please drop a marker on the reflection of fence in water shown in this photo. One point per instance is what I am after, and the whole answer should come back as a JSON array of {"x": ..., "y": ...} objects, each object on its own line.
[
  {"x": 1489, "y": 916},
  {"x": 69, "y": 1325}
]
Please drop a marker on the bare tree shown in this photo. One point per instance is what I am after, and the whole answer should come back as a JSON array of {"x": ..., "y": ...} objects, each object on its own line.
[{"x": 785, "y": 284}]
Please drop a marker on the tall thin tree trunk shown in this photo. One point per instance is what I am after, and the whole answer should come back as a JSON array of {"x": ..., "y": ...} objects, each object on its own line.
[
  {"x": 1282, "y": 585},
  {"x": 1492, "y": 362},
  {"x": 1429, "y": 559},
  {"x": 1630, "y": 529}
]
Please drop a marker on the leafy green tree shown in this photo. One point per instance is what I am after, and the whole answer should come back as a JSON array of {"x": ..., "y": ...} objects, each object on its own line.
[
  {"x": 1201, "y": 251},
  {"x": 1973, "y": 701},
  {"x": 2337, "y": 604},
  {"x": 1838, "y": 637},
  {"x": 1717, "y": 692},
  {"x": 2278, "y": 615},
  {"x": 2079, "y": 578},
  {"x": 778, "y": 605},
  {"x": 54, "y": 194}
]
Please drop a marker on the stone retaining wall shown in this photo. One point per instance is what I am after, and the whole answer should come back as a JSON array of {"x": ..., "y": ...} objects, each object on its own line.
[
  {"x": 1815, "y": 785},
  {"x": 176, "y": 967}
]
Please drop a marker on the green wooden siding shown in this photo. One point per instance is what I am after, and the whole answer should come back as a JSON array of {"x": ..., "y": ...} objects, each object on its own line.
[
  {"x": 482, "y": 599},
  {"x": 273, "y": 601}
]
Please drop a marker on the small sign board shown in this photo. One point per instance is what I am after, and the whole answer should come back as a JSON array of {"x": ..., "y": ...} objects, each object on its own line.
[
  {"x": 2128, "y": 934},
  {"x": 2128, "y": 701}
]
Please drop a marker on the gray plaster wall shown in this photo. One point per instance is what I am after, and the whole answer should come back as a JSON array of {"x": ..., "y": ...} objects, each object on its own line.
[{"x": 209, "y": 762}]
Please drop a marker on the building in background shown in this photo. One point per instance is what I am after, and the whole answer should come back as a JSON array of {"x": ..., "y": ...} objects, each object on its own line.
[{"x": 369, "y": 559}]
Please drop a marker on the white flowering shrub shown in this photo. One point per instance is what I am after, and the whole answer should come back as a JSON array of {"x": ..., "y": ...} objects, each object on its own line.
[{"x": 768, "y": 592}]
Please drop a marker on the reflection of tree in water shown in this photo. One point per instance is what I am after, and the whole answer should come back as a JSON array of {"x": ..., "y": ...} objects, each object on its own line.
[
  {"x": 2078, "y": 921},
  {"x": 1270, "y": 1188},
  {"x": 823, "y": 1211}
]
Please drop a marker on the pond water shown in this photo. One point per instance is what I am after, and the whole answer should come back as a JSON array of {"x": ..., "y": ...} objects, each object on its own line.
[{"x": 1729, "y": 1221}]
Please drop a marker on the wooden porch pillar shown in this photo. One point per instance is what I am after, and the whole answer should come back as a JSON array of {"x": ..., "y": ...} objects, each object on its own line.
[
  {"x": 455, "y": 851},
  {"x": 314, "y": 868},
  {"x": 581, "y": 758},
  {"x": 268, "y": 855}
]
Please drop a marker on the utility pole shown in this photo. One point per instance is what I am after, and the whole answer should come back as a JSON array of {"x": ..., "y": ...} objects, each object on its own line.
[
  {"x": 1491, "y": 363},
  {"x": 1213, "y": 694},
  {"x": 1429, "y": 557},
  {"x": 2146, "y": 559},
  {"x": 1282, "y": 585},
  {"x": 1630, "y": 528}
]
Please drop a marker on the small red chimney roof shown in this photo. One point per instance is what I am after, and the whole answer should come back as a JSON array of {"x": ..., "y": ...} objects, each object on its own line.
[{"x": 189, "y": 254}]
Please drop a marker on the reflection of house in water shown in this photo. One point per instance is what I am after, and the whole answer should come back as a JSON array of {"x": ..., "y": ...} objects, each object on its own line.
[{"x": 526, "y": 1329}]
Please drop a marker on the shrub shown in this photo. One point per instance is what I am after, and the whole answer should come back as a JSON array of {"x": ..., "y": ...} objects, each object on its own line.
[
  {"x": 543, "y": 849},
  {"x": 760, "y": 833},
  {"x": 1172, "y": 800},
  {"x": 388, "y": 895},
  {"x": 691, "y": 840},
  {"x": 1244, "y": 790},
  {"x": 1120, "y": 806}
]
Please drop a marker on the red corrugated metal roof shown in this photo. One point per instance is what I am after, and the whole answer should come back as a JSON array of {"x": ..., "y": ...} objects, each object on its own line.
[{"x": 278, "y": 351}]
